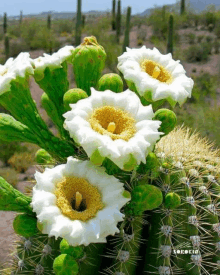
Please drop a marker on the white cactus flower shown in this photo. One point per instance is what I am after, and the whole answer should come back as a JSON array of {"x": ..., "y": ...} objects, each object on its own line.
[
  {"x": 52, "y": 61},
  {"x": 155, "y": 76},
  {"x": 116, "y": 126},
  {"x": 79, "y": 202},
  {"x": 13, "y": 68}
]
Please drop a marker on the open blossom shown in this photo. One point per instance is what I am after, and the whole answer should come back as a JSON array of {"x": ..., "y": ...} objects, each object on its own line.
[
  {"x": 13, "y": 68},
  {"x": 155, "y": 76},
  {"x": 79, "y": 202},
  {"x": 115, "y": 126}
]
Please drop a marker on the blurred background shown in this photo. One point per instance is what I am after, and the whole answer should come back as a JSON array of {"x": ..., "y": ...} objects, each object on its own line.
[{"x": 44, "y": 27}]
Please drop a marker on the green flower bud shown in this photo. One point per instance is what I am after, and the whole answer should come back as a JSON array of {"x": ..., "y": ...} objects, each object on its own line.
[
  {"x": 112, "y": 82},
  {"x": 172, "y": 200},
  {"x": 126, "y": 194},
  {"x": 96, "y": 158},
  {"x": 25, "y": 225},
  {"x": 76, "y": 252},
  {"x": 168, "y": 119},
  {"x": 151, "y": 163},
  {"x": 147, "y": 197},
  {"x": 43, "y": 157},
  {"x": 64, "y": 264},
  {"x": 72, "y": 96},
  {"x": 88, "y": 63}
]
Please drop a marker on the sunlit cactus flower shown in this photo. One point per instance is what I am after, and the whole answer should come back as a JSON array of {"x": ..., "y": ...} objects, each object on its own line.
[
  {"x": 13, "y": 68},
  {"x": 114, "y": 126},
  {"x": 52, "y": 61},
  {"x": 79, "y": 202},
  {"x": 155, "y": 76}
]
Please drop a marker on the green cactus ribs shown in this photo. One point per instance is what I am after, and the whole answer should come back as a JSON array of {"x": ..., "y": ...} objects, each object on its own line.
[{"x": 88, "y": 63}]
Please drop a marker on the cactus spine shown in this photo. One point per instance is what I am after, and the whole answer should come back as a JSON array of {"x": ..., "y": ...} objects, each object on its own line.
[
  {"x": 182, "y": 7},
  {"x": 113, "y": 16},
  {"x": 127, "y": 30},
  {"x": 118, "y": 22},
  {"x": 170, "y": 35},
  {"x": 78, "y": 23}
]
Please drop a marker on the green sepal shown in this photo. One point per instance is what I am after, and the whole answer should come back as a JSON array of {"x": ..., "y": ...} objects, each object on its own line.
[
  {"x": 25, "y": 225},
  {"x": 88, "y": 63},
  {"x": 51, "y": 110},
  {"x": 130, "y": 164},
  {"x": 152, "y": 163},
  {"x": 168, "y": 119},
  {"x": 13, "y": 200},
  {"x": 112, "y": 82},
  {"x": 43, "y": 157},
  {"x": 13, "y": 130},
  {"x": 172, "y": 200},
  {"x": 65, "y": 264},
  {"x": 76, "y": 252},
  {"x": 73, "y": 96},
  {"x": 55, "y": 83},
  {"x": 111, "y": 167},
  {"x": 96, "y": 158}
]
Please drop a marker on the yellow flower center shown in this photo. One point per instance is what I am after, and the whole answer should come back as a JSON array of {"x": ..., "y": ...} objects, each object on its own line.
[
  {"x": 78, "y": 199},
  {"x": 116, "y": 123},
  {"x": 156, "y": 71}
]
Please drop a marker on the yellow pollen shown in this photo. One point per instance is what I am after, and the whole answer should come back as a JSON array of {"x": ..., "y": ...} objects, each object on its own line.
[
  {"x": 112, "y": 121},
  {"x": 78, "y": 199},
  {"x": 4, "y": 72},
  {"x": 157, "y": 71},
  {"x": 111, "y": 127}
]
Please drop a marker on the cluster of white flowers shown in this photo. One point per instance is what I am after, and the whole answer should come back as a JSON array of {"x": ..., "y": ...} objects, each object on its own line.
[{"x": 78, "y": 200}]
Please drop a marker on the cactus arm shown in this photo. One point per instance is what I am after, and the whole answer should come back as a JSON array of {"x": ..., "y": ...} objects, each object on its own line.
[
  {"x": 78, "y": 23},
  {"x": 118, "y": 22},
  {"x": 127, "y": 30},
  {"x": 170, "y": 35}
]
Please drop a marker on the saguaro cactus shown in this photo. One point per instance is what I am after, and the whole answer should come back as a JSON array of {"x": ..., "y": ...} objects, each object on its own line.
[
  {"x": 6, "y": 46},
  {"x": 127, "y": 30},
  {"x": 164, "y": 13},
  {"x": 21, "y": 17},
  {"x": 49, "y": 29},
  {"x": 170, "y": 35},
  {"x": 113, "y": 16},
  {"x": 5, "y": 23},
  {"x": 118, "y": 22},
  {"x": 83, "y": 20},
  {"x": 78, "y": 23},
  {"x": 182, "y": 7}
]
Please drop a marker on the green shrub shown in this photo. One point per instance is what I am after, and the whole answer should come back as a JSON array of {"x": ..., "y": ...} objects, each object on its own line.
[
  {"x": 210, "y": 18},
  {"x": 7, "y": 150},
  {"x": 209, "y": 38},
  {"x": 205, "y": 86},
  {"x": 200, "y": 38},
  {"x": 191, "y": 38},
  {"x": 197, "y": 53},
  {"x": 18, "y": 46}
]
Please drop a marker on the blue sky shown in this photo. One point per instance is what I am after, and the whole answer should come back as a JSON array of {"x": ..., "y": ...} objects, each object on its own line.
[{"x": 13, "y": 7}]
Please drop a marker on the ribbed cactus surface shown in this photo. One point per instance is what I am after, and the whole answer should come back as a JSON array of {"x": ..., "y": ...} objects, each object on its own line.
[{"x": 170, "y": 35}]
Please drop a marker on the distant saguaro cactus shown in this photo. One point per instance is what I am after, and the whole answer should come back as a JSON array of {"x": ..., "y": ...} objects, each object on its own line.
[
  {"x": 164, "y": 13},
  {"x": 6, "y": 46},
  {"x": 113, "y": 16},
  {"x": 5, "y": 23},
  {"x": 83, "y": 20},
  {"x": 182, "y": 7},
  {"x": 127, "y": 30},
  {"x": 78, "y": 23},
  {"x": 49, "y": 29},
  {"x": 170, "y": 35},
  {"x": 118, "y": 22},
  {"x": 21, "y": 17}
]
